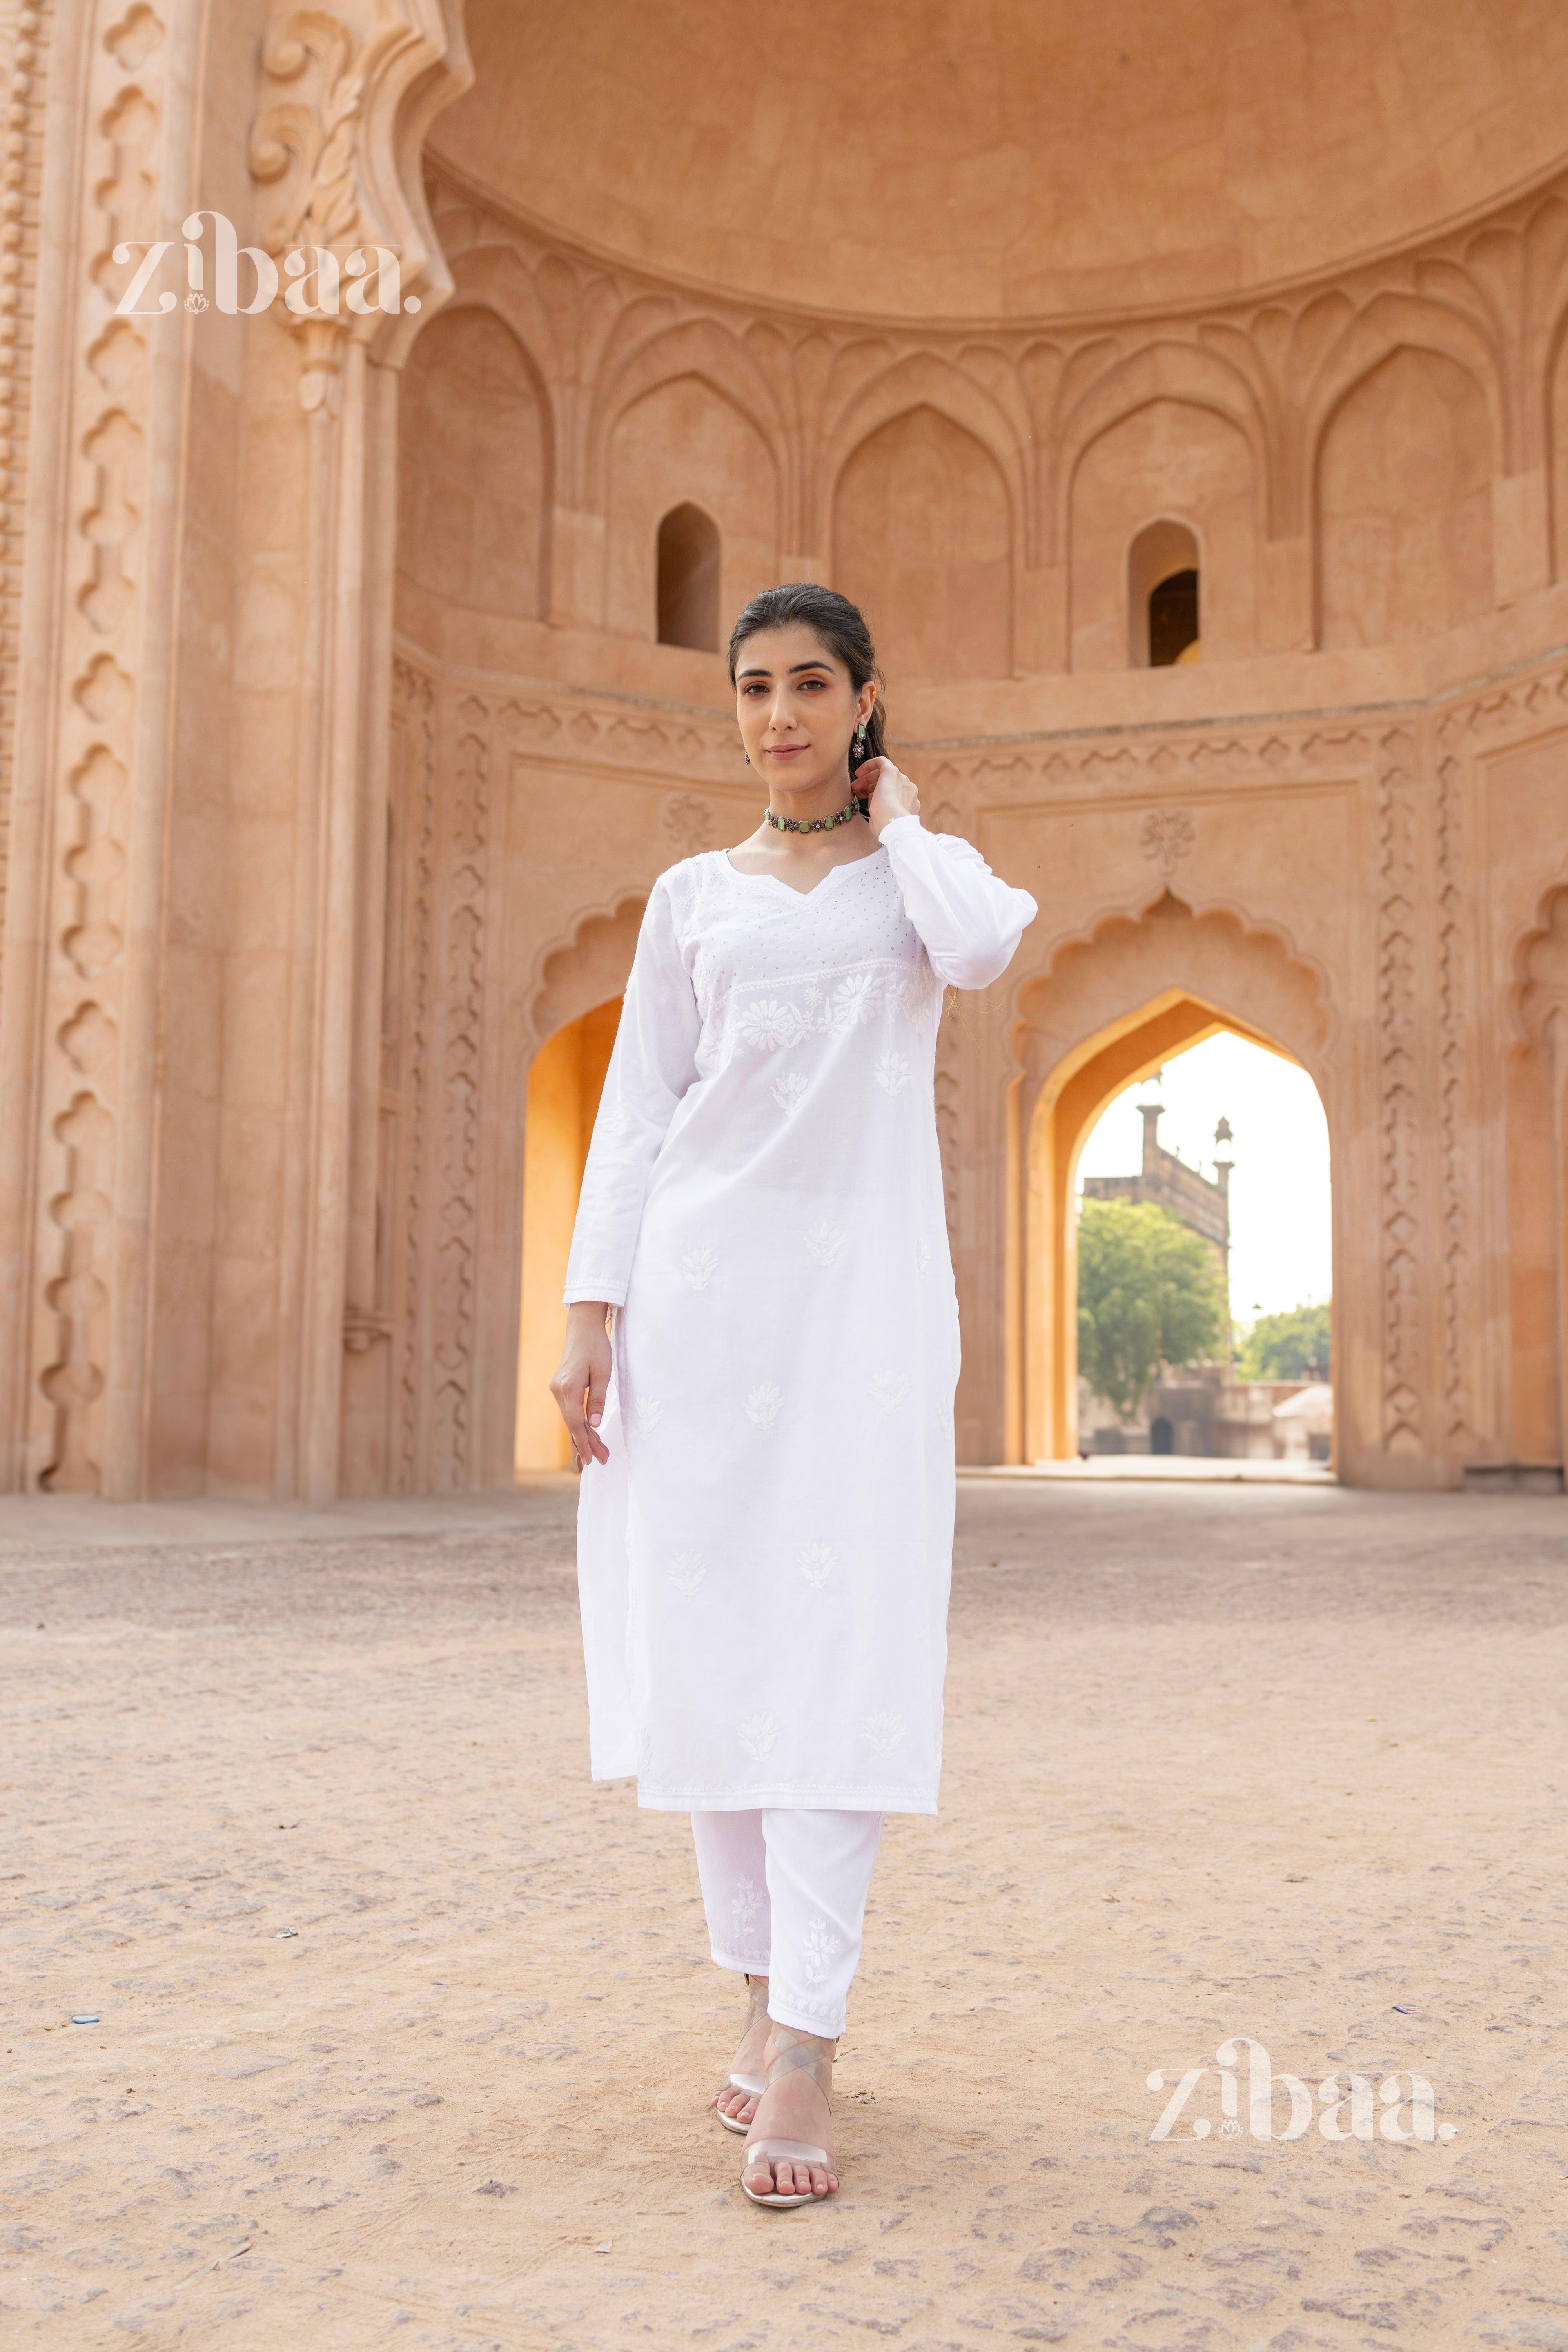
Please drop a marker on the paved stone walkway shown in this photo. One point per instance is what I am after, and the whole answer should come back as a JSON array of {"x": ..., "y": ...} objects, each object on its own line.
[{"x": 405, "y": 2031}]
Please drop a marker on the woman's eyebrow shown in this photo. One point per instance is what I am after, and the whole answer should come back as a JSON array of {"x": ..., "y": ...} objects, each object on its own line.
[{"x": 756, "y": 670}]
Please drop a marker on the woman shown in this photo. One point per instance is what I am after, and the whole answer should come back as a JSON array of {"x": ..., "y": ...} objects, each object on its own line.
[{"x": 765, "y": 1515}]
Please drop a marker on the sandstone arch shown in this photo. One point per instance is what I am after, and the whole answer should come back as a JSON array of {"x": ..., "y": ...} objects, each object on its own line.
[
  {"x": 922, "y": 541},
  {"x": 1403, "y": 501},
  {"x": 586, "y": 968},
  {"x": 1186, "y": 374},
  {"x": 1168, "y": 457},
  {"x": 574, "y": 1012},
  {"x": 1394, "y": 321},
  {"x": 927, "y": 380},
  {"x": 1113, "y": 1005},
  {"x": 659, "y": 350},
  {"x": 475, "y": 468},
  {"x": 682, "y": 441}
]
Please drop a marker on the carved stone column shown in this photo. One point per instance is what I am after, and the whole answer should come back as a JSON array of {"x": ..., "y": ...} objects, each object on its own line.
[
  {"x": 346, "y": 99},
  {"x": 80, "y": 992}
]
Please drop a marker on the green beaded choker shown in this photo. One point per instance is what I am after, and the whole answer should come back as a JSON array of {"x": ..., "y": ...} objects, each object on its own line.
[{"x": 853, "y": 807}]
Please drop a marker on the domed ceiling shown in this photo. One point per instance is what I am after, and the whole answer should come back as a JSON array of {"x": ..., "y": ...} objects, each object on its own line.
[{"x": 994, "y": 159}]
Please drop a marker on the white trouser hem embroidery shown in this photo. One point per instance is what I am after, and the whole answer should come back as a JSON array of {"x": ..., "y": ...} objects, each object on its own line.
[
  {"x": 754, "y": 1966},
  {"x": 806, "y": 2016},
  {"x": 792, "y": 1883}
]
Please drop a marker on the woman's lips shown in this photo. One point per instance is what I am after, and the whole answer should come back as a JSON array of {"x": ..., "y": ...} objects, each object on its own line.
[{"x": 785, "y": 750}]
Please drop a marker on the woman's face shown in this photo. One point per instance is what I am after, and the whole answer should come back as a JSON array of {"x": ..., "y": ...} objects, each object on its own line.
[{"x": 798, "y": 709}]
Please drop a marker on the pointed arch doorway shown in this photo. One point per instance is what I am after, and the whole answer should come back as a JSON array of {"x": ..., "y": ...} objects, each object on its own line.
[
  {"x": 574, "y": 1017},
  {"x": 1099, "y": 1021}
]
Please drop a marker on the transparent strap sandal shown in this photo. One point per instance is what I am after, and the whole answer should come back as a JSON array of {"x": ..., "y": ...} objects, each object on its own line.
[
  {"x": 753, "y": 2084},
  {"x": 808, "y": 2052}
]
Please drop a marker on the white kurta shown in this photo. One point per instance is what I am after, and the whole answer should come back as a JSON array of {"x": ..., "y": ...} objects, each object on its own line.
[{"x": 764, "y": 1562}]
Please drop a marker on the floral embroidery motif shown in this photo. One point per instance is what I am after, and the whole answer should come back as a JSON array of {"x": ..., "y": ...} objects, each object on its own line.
[
  {"x": 645, "y": 1749},
  {"x": 893, "y": 1073},
  {"x": 687, "y": 1571},
  {"x": 770, "y": 1025},
  {"x": 757, "y": 1735},
  {"x": 922, "y": 1254},
  {"x": 826, "y": 1242},
  {"x": 762, "y": 1404},
  {"x": 818, "y": 1951},
  {"x": 889, "y": 1389},
  {"x": 884, "y": 1731},
  {"x": 646, "y": 1414},
  {"x": 856, "y": 998},
  {"x": 698, "y": 1266},
  {"x": 789, "y": 1090},
  {"x": 816, "y": 1562},
  {"x": 744, "y": 1906}
]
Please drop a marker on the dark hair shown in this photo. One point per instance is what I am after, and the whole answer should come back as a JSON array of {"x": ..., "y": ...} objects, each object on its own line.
[{"x": 840, "y": 626}]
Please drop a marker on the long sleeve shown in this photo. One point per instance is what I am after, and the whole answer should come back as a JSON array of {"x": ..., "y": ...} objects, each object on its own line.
[
  {"x": 652, "y": 1064},
  {"x": 969, "y": 919}
]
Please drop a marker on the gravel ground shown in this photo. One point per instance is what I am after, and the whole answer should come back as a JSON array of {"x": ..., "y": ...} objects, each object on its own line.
[{"x": 405, "y": 2032}]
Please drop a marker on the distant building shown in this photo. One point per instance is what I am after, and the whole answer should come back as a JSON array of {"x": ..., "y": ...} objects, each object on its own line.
[{"x": 1200, "y": 1202}]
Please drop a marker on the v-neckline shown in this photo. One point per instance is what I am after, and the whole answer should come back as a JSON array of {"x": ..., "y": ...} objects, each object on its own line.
[{"x": 779, "y": 884}]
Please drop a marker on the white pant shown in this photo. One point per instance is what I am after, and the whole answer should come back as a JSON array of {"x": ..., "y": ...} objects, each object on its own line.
[{"x": 784, "y": 1890}]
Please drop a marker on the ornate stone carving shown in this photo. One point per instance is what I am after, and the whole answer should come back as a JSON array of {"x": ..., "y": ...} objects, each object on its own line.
[
  {"x": 688, "y": 820},
  {"x": 18, "y": 266},
  {"x": 87, "y": 978},
  {"x": 457, "y": 1215},
  {"x": 305, "y": 145},
  {"x": 414, "y": 1024},
  {"x": 337, "y": 120},
  {"x": 1402, "y": 1420},
  {"x": 1166, "y": 838},
  {"x": 1451, "y": 982}
]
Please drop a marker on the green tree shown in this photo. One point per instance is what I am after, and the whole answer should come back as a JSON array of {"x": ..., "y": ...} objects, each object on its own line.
[
  {"x": 1150, "y": 1293},
  {"x": 1279, "y": 1346}
]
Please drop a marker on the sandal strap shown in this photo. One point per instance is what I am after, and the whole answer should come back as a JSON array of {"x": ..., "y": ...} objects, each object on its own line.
[
  {"x": 807, "y": 2052},
  {"x": 784, "y": 2151},
  {"x": 753, "y": 2084}
]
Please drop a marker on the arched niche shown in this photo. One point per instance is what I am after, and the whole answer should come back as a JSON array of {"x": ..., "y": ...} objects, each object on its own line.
[
  {"x": 575, "y": 1013},
  {"x": 1164, "y": 555},
  {"x": 565, "y": 1080},
  {"x": 1404, "y": 503},
  {"x": 686, "y": 445},
  {"x": 1112, "y": 1009},
  {"x": 472, "y": 489},
  {"x": 688, "y": 555},
  {"x": 1171, "y": 459},
  {"x": 922, "y": 541}
]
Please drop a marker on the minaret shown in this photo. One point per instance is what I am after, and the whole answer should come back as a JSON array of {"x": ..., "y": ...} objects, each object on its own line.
[
  {"x": 1152, "y": 1114},
  {"x": 1221, "y": 1169}
]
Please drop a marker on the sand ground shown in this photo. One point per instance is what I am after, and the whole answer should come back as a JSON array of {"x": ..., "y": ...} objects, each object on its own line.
[{"x": 1286, "y": 1763}]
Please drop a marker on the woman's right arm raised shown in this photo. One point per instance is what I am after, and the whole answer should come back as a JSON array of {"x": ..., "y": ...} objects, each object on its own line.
[{"x": 652, "y": 1064}]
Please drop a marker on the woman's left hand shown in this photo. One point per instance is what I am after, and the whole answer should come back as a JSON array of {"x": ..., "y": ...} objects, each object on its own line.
[{"x": 892, "y": 793}]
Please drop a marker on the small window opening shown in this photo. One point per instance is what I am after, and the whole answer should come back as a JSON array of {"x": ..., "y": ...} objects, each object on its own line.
[
  {"x": 1163, "y": 599},
  {"x": 1173, "y": 621},
  {"x": 689, "y": 580}
]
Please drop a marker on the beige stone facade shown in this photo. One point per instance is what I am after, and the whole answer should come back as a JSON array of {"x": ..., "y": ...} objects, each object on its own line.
[{"x": 339, "y": 751}]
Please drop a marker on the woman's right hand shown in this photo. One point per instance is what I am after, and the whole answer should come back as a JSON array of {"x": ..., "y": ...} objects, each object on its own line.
[{"x": 583, "y": 1378}]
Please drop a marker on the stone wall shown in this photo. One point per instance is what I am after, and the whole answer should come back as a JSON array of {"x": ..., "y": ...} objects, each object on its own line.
[{"x": 339, "y": 752}]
